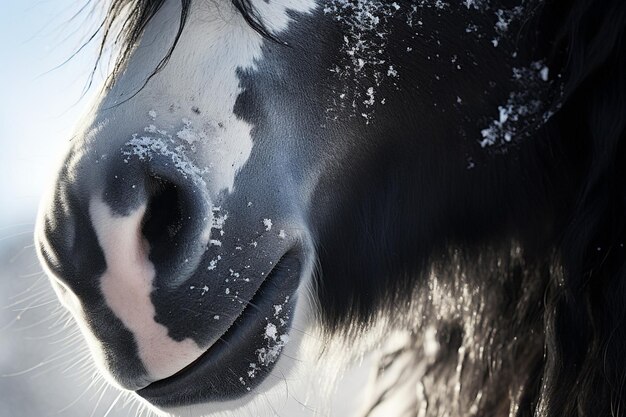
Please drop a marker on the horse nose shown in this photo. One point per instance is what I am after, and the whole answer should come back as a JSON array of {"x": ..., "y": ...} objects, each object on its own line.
[
  {"x": 129, "y": 209},
  {"x": 108, "y": 231}
]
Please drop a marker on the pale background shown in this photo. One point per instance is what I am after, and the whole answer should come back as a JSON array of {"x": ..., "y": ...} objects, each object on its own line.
[
  {"x": 39, "y": 106},
  {"x": 40, "y": 102}
]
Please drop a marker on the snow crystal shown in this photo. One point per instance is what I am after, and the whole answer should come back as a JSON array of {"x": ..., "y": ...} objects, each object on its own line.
[
  {"x": 190, "y": 135},
  {"x": 277, "y": 309},
  {"x": 217, "y": 221},
  {"x": 268, "y": 224},
  {"x": 522, "y": 109},
  {"x": 154, "y": 129},
  {"x": 471, "y": 28},
  {"x": 476, "y": 4},
  {"x": 506, "y": 126},
  {"x": 268, "y": 355},
  {"x": 147, "y": 147},
  {"x": 253, "y": 369},
  {"x": 213, "y": 263},
  {"x": 366, "y": 25},
  {"x": 152, "y": 114},
  {"x": 275, "y": 341},
  {"x": 270, "y": 331},
  {"x": 282, "y": 234},
  {"x": 505, "y": 17},
  {"x": 370, "y": 97}
]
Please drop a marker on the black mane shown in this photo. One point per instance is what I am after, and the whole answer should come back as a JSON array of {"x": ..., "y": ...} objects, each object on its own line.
[{"x": 569, "y": 286}]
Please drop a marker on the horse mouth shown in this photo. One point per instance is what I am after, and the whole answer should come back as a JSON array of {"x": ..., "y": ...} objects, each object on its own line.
[{"x": 245, "y": 354}]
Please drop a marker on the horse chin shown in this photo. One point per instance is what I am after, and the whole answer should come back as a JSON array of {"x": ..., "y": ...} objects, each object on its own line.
[{"x": 288, "y": 376}]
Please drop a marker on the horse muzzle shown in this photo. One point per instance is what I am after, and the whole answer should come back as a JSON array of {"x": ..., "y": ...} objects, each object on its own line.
[{"x": 184, "y": 297}]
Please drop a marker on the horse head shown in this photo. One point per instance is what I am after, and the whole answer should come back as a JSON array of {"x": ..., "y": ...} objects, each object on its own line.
[{"x": 256, "y": 169}]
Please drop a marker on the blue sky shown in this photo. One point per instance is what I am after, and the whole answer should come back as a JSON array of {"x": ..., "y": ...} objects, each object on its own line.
[{"x": 39, "y": 105}]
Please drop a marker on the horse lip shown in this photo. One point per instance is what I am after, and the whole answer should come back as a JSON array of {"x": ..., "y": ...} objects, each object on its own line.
[{"x": 167, "y": 391}]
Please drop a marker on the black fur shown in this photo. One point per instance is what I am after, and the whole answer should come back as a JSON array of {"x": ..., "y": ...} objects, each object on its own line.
[{"x": 552, "y": 319}]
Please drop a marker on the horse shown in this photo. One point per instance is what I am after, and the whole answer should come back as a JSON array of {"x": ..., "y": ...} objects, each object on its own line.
[{"x": 264, "y": 186}]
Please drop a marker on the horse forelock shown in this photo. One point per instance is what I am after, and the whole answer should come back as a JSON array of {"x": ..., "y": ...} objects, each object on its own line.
[{"x": 124, "y": 22}]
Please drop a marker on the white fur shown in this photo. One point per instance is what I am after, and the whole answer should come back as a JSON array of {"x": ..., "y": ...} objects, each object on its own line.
[{"x": 126, "y": 286}]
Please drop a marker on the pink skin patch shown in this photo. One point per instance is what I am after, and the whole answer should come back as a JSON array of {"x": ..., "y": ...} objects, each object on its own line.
[{"x": 127, "y": 284}]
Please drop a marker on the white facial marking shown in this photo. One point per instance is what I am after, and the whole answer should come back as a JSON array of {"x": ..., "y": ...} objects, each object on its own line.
[
  {"x": 188, "y": 106},
  {"x": 126, "y": 286}
]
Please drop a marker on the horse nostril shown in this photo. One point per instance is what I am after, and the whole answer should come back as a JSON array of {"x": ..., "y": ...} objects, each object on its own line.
[
  {"x": 174, "y": 223},
  {"x": 164, "y": 215}
]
